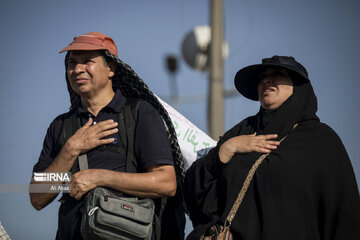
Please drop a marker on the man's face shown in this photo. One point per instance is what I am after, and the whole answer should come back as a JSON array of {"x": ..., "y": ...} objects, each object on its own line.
[
  {"x": 275, "y": 86},
  {"x": 88, "y": 73}
]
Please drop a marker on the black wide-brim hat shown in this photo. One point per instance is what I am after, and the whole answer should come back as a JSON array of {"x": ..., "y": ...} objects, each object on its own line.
[{"x": 247, "y": 79}]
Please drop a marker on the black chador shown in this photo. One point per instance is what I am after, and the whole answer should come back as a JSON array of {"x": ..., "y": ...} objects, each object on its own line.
[{"x": 305, "y": 189}]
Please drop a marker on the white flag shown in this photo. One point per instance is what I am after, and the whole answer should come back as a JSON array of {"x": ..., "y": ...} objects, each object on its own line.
[{"x": 193, "y": 142}]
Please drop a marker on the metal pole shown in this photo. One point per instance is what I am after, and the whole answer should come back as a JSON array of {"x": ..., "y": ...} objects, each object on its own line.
[
  {"x": 216, "y": 98},
  {"x": 174, "y": 93}
]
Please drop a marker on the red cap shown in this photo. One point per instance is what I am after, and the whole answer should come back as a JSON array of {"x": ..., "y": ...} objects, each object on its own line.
[{"x": 92, "y": 41}]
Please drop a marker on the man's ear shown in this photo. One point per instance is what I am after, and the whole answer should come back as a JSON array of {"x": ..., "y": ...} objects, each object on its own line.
[{"x": 112, "y": 67}]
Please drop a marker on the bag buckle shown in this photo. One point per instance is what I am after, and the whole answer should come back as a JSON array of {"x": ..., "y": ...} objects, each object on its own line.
[
  {"x": 227, "y": 223},
  {"x": 91, "y": 212}
]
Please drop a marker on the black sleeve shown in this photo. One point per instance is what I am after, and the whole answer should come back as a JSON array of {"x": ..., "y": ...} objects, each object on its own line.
[
  {"x": 152, "y": 146},
  {"x": 201, "y": 180},
  {"x": 201, "y": 188},
  {"x": 339, "y": 197}
]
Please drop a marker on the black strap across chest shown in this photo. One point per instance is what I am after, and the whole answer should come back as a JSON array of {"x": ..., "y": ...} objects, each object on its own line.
[{"x": 127, "y": 119}]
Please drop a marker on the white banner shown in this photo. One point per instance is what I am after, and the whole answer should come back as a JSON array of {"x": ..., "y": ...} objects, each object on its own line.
[{"x": 193, "y": 142}]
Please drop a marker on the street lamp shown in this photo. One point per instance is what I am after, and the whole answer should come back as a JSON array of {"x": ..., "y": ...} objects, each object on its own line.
[
  {"x": 172, "y": 67},
  {"x": 199, "y": 52}
]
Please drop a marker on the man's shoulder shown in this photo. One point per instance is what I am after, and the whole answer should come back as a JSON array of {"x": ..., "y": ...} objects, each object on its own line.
[
  {"x": 65, "y": 115},
  {"x": 146, "y": 112},
  {"x": 145, "y": 106},
  {"x": 57, "y": 123}
]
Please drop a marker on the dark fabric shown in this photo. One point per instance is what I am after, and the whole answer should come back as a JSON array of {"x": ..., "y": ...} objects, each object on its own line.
[
  {"x": 151, "y": 148},
  {"x": 173, "y": 220},
  {"x": 306, "y": 189}
]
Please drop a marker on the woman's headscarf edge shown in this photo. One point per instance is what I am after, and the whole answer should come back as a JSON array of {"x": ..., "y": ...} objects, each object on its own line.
[{"x": 131, "y": 85}]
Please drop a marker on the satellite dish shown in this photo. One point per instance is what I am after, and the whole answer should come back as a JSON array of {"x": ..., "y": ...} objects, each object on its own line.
[{"x": 195, "y": 48}]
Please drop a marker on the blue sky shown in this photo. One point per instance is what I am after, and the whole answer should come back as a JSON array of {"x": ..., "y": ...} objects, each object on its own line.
[{"x": 323, "y": 35}]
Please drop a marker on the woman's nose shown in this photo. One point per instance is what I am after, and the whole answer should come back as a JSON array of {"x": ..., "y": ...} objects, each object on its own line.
[{"x": 267, "y": 80}]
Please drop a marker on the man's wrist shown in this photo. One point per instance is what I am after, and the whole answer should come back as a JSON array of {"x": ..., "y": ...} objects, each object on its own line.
[
  {"x": 70, "y": 150},
  {"x": 104, "y": 178}
]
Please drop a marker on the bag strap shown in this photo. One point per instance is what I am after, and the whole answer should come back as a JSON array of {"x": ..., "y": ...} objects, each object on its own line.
[
  {"x": 70, "y": 126},
  {"x": 245, "y": 187},
  {"x": 130, "y": 113},
  {"x": 83, "y": 163}
]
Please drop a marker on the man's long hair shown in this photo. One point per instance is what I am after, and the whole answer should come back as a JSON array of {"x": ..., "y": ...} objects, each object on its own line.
[{"x": 131, "y": 85}]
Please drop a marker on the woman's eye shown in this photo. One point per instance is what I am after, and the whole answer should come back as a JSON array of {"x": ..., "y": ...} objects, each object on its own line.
[
  {"x": 279, "y": 74},
  {"x": 262, "y": 76}
]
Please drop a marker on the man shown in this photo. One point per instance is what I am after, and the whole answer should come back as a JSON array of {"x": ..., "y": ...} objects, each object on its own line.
[{"x": 99, "y": 84}]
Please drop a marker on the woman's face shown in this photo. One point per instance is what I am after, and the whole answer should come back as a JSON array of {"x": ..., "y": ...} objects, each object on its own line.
[{"x": 275, "y": 86}]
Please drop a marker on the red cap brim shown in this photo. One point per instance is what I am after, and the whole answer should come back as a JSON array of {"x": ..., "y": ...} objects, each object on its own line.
[{"x": 82, "y": 46}]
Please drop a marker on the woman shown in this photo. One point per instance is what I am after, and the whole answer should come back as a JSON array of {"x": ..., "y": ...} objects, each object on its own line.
[{"x": 304, "y": 189}]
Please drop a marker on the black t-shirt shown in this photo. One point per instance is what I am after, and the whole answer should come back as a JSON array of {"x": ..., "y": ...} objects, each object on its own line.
[{"x": 152, "y": 148}]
